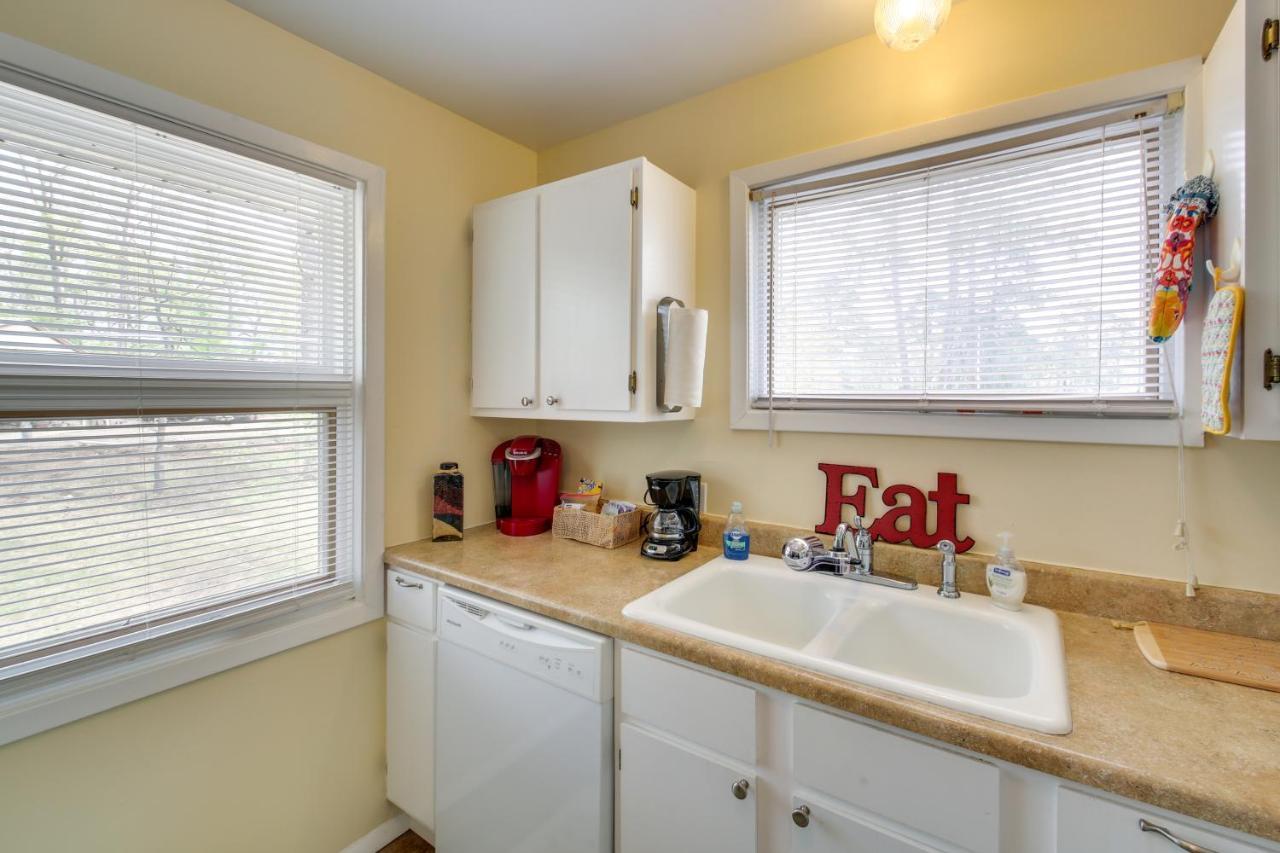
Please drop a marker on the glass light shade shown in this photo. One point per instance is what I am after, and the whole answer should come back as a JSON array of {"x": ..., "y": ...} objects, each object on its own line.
[{"x": 907, "y": 24}]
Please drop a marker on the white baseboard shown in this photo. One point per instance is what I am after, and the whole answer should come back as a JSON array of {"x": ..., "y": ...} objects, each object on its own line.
[{"x": 380, "y": 836}]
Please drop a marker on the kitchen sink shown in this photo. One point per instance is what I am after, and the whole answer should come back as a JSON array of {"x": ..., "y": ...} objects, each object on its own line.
[{"x": 963, "y": 653}]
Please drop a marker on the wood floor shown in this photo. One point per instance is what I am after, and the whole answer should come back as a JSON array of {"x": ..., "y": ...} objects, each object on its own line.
[{"x": 408, "y": 843}]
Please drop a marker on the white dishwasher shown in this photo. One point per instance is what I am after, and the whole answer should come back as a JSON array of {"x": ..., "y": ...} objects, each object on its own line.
[{"x": 524, "y": 732}]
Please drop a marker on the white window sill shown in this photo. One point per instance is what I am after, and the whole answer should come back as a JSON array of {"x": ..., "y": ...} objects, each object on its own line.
[
  {"x": 26, "y": 712},
  {"x": 1160, "y": 432}
]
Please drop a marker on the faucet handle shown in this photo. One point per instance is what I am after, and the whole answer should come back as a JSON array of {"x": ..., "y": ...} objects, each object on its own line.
[{"x": 800, "y": 554}]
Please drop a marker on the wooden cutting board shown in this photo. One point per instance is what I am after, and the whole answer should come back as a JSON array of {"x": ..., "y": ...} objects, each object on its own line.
[{"x": 1208, "y": 654}]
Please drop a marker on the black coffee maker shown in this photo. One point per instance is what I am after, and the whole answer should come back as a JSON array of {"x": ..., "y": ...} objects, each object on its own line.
[{"x": 672, "y": 530}]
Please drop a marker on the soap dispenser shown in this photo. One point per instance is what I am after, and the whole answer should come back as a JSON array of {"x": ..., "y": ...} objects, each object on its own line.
[{"x": 1006, "y": 579}]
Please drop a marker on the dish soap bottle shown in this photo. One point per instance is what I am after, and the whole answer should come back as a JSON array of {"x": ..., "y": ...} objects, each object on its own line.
[
  {"x": 1006, "y": 579},
  {"x": 737, "y": 539}
]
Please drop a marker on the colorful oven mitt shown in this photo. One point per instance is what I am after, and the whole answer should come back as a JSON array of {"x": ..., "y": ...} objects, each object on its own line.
[{"x": 1194, "y": 203}]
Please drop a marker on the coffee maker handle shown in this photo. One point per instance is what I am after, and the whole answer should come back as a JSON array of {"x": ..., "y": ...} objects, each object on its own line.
[{"x": 693, "y": 521}]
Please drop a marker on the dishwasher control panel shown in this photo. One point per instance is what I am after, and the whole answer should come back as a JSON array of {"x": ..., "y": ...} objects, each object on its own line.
[{"x": 569, "y": 657}]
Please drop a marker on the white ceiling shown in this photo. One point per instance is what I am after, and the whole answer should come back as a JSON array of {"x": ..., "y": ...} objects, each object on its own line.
[{"x": 543, "y": 71}]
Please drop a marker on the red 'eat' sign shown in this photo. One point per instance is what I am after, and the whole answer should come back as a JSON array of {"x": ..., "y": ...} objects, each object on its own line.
[{"x": 903, "y": 502}]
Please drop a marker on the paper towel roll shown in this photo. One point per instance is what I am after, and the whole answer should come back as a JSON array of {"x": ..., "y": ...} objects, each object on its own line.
[{"x": 686, "y": 352}]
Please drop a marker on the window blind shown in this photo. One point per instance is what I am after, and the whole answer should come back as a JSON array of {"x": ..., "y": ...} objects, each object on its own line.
[
  {"x": 177, "y": 383},
  {"x": 1007, "y": 273}
]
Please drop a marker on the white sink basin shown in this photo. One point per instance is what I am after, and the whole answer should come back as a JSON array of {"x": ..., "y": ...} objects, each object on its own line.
[{"x": 963, "y": 653}]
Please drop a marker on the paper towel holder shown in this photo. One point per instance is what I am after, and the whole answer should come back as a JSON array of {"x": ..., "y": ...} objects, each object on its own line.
[{"x": 664, "y": 333}]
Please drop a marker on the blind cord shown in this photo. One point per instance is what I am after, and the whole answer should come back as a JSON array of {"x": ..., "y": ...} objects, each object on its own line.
[{"x": 1181, "y": 535}]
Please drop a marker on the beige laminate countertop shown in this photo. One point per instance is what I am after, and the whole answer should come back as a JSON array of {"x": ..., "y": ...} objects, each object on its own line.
[{"x": 1203, "y": 748}]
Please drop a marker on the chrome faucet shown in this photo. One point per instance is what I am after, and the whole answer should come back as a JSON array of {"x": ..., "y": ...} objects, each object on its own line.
[
  {"x": 810, "y": 555},
  {"x": 947, "y": 588}
]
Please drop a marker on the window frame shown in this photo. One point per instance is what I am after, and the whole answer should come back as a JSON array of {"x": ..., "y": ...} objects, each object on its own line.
[
  {"x": 47, "y": 700},
  {"x": 1153, "y": 82}
]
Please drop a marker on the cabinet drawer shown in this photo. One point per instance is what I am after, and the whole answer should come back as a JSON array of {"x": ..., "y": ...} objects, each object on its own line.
[
  {"x": 830, "y": 831},
  {"x": 1089, "y": 824},
  {"x": 937, "y": 792},
  {"x": 411, "y": 599},
  {"x": 707, "y": 710}
]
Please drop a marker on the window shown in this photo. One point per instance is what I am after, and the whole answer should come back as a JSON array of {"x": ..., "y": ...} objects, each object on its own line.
[
  {"x": 178, "y": 383},
  {"x": 1001, "y": 273}
]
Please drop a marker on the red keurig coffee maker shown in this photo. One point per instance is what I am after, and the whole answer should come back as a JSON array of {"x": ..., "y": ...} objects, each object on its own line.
[{"x": 526, "y": 484}]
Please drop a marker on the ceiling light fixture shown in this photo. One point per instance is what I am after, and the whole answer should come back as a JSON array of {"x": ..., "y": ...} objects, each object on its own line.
[{"x": 907, "y": 24}]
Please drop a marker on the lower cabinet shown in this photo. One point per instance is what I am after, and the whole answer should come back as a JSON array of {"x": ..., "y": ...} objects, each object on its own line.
[
  {"x": 672, "y": 799},
  {"x": 411, "y": 692},
  {"x": 1090, "y": 824},
  {"x": 712, "y": 764}
]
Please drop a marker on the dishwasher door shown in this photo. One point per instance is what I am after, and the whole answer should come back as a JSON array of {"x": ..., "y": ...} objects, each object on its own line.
[{"x": 523, "y": 765}]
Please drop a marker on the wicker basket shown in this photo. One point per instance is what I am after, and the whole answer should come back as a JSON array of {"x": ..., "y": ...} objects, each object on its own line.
[{"x": 605, "y": 531}]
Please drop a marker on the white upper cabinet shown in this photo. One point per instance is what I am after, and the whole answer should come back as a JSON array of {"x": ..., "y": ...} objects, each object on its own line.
[
  {"x": 1241, "y": 110},
  {"x": 585, "y": 306},
  {"x": 566, "y": 283},
  {"x": 504, "y": 301}
]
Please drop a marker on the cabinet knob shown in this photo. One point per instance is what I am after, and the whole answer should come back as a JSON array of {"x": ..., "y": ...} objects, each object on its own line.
[
  {"x": 551, "y": 401},
  {"x": 740, "y": 788},
  {"x": 526, "y": 401},
  {"x": 800, "y": 816}
]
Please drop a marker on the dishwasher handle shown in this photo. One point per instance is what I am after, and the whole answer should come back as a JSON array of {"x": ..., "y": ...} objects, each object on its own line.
[{"x": 517, "y": 629}]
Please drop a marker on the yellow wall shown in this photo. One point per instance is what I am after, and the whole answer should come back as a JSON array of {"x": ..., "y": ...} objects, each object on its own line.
[
  {"x": 1096, "y": 506},
  {"x": 285, "y": 754}
]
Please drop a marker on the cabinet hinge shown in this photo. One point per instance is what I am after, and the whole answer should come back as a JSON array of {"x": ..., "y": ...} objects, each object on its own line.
[
  {"x": 631, "y": 382},
  {"x": 1270, "y": 369},
  {"x": 1270, "y": 38},
  {"x": 635, "y": 197}
]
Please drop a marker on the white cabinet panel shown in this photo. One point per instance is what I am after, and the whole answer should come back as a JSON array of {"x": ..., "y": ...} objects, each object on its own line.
[
  {"x": 710, "y": 711},
  {"x": 944, "y": 794},
  {"x": 1241, "y": 100},
  {"x": 675, "y": 800},
  {"x": 411, "y": 677},
  {"x": 1089, "y": 824},
  {"x": 830, "y": 831},
  {"x": 411, "y": 599},
  {"x": 586, "y": 292},
  {"x": 504, "y": 304}
]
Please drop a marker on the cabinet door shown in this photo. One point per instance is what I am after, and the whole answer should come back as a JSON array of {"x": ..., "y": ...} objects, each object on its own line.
[
  {"x": 585, "y": 292},
  {"x": 411, "y": 691},
  {"x": 1089, "y": 824},
  {"x": 1241, "y": 100},
  {"x": 504, "y": 304},
  {"x": 672, "y": 799},
  {"x": 829, "y": 831}
]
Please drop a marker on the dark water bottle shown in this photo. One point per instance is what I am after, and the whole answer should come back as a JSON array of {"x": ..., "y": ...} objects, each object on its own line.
[{"x": 446, "y": 510}]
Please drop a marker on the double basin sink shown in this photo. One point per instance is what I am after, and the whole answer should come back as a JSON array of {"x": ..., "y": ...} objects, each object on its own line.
[{"x": 963, "y": 653}]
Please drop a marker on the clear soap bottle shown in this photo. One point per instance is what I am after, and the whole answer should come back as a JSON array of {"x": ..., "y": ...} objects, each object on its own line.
[{"x": 1006, "y": 579}]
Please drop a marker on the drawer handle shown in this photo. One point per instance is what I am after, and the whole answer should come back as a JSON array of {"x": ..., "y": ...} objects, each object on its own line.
[
  {"x": 800, "y": 816},
  {"x": 1147, "y": 826},
  {"x": 740, "y": 788},
  {"x": 406, "y": 584}
]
